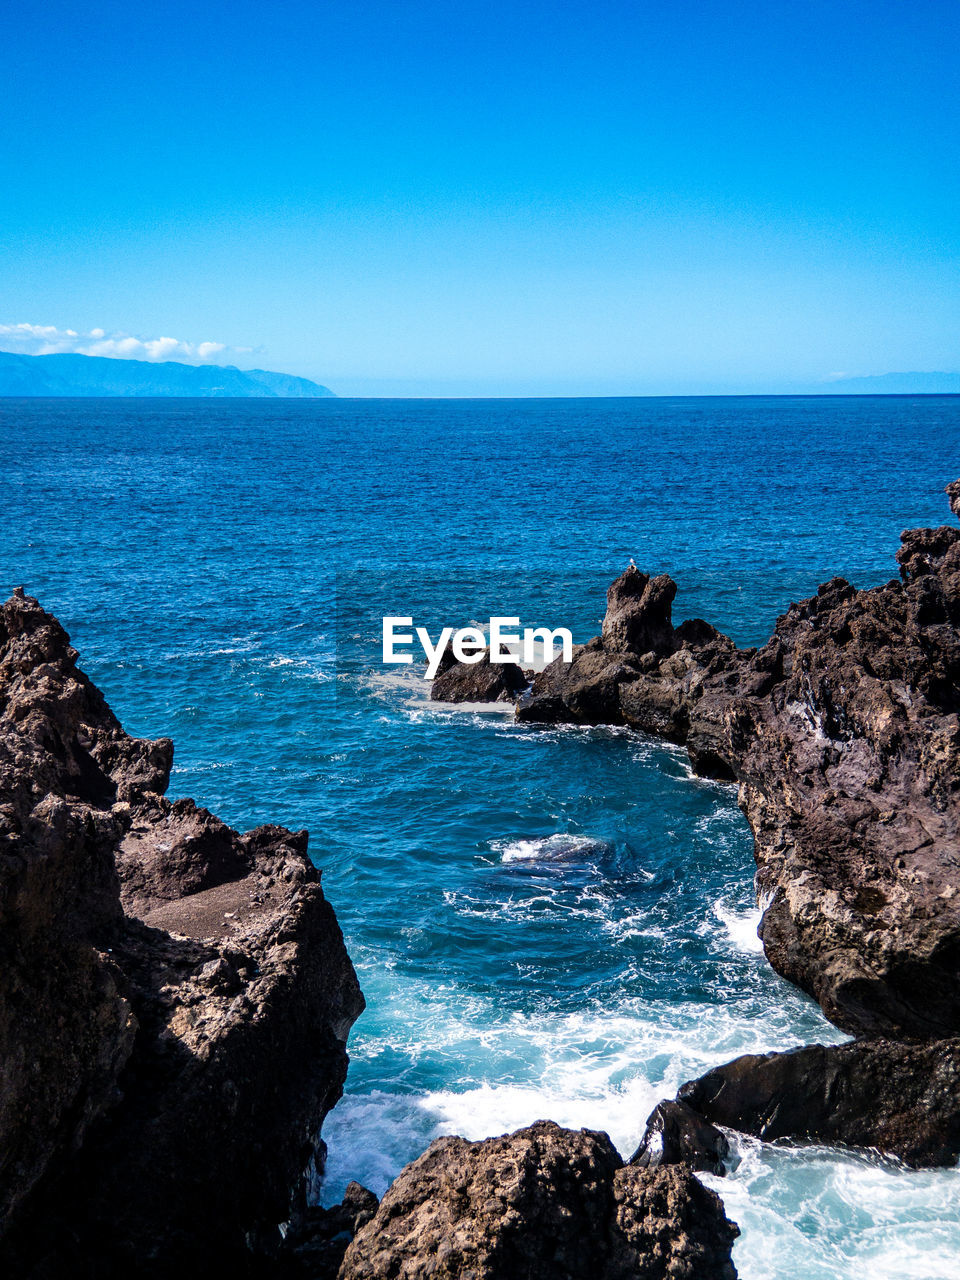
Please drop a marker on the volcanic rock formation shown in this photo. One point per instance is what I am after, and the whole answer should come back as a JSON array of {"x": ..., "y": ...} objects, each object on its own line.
[
  {"x": 316, "y": 1243},
  {"x": 676, "y": 1134},
  {"x": 174, "y": 997},
  {"x": 842, "y": 732},
  {"x": 900, "y": 1098}
]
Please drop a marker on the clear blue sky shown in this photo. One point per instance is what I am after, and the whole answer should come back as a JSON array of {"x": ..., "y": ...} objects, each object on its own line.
[{"x": 493, "y": 198}]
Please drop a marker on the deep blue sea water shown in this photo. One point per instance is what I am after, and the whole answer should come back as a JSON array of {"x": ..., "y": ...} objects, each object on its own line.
[{"x": 223, "y": 567}]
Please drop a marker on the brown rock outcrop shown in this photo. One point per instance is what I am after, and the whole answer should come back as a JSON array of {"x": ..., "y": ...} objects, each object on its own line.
[
  {"x": 174, "y": 997},
  {"x": 315, "y": 1244},
  {"x": 544, "y": 1203},
  {"x": 638, "y": 617}
]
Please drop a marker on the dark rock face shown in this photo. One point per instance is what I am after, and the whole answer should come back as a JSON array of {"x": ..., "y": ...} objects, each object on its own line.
[
  {"x": 315, "y": 1245},
  {"x": 843, "y": 734},
  {"x": 547, "y": 1203},
  {"x": 902, "y": 1099},
  {"x": 66, "y": 1026},
  {"x": 482, "y": 681},
  {"x": 586, "y": 690},
  {"x": 676, "y": 1134},
  {"x": 174, "y": 997}
]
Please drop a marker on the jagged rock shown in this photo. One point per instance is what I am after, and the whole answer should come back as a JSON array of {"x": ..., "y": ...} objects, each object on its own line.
[
  {"x": 638, "y": 617},
  {"x": 547, "y": 1203},
  {"x": 173, "y": 850},
  {"x": 482, "y": 681},
  {"x": 174, "y": 997},
  {"x": 902, "y": 1099},
  {"x": 676, "y": 1134},
  {"x": 843, "y": 734},
  {"x": 647, "y": 691}
]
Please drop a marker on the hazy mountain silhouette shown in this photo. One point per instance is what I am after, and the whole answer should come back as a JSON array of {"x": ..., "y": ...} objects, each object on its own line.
[
  {"x": 76, "y": 375},
  {"x": 891, "y": 384}
]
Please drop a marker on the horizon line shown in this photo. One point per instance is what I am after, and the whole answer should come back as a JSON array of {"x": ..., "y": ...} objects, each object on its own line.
[{"x": 640, "y": 395}]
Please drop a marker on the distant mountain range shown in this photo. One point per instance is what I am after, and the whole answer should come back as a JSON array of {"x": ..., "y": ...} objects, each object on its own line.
[
  {"x": 895, "y": 384},
  {"x": 74, "y": 375}
]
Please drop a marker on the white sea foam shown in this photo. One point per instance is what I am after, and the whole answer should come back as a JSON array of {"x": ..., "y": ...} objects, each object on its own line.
[
  {"x": 472, "y": 708},
  {"x": 187, "y": 655},
  {"x": 822, "y": 1214},
  {"x": 402, "y": 688},
  {"x": 406, "y": 689},
  {"x": 321, "y": 668},
  {"x": 595, "y": 1069},
  {"x": 741, "y": 926},
  {"x": 805, "y": 1214}
]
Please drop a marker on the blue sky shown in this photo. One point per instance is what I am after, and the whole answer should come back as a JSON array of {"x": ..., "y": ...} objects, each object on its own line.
[{"x": 525, "y": 198}]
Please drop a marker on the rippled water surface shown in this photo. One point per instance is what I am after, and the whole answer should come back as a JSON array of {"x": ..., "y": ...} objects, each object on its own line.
[{"x": 548, "y": 922}]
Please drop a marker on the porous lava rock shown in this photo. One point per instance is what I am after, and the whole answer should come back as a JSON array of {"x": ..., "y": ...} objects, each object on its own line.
[
  {"x": 639, "y": 614},
  {"x": 315, "y": 1244},
  {"x": 676, "y": 1134},
  {"x": 544, "y": 1203}
]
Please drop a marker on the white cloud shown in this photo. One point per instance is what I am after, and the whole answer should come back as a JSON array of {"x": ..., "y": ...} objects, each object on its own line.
[{"x": 47, "y": 339}]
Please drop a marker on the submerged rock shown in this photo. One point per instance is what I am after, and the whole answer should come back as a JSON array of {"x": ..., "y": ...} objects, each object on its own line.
[
  {"x": 562, "y": 848},
  {"x": 676, "y": 1134},
  {"x": 901, "y": 1099},
  {"x": 544, "y": 1203},
  {"x": 843, "y": 734},
  {"x": 174, "y": 997}
]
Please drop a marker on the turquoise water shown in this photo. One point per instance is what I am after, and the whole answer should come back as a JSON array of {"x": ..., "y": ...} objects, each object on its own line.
[{"x": 223, "y": 568}]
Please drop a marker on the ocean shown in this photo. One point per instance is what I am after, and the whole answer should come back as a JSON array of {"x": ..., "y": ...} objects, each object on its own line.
[{"x": 547, "y": 923}]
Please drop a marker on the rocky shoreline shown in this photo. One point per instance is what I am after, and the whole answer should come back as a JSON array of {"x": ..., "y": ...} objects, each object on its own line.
[
  {"x": 175, "y": 996},
  {"x": 843, "y": 738},
  {"x": 175, "y": 999}
]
